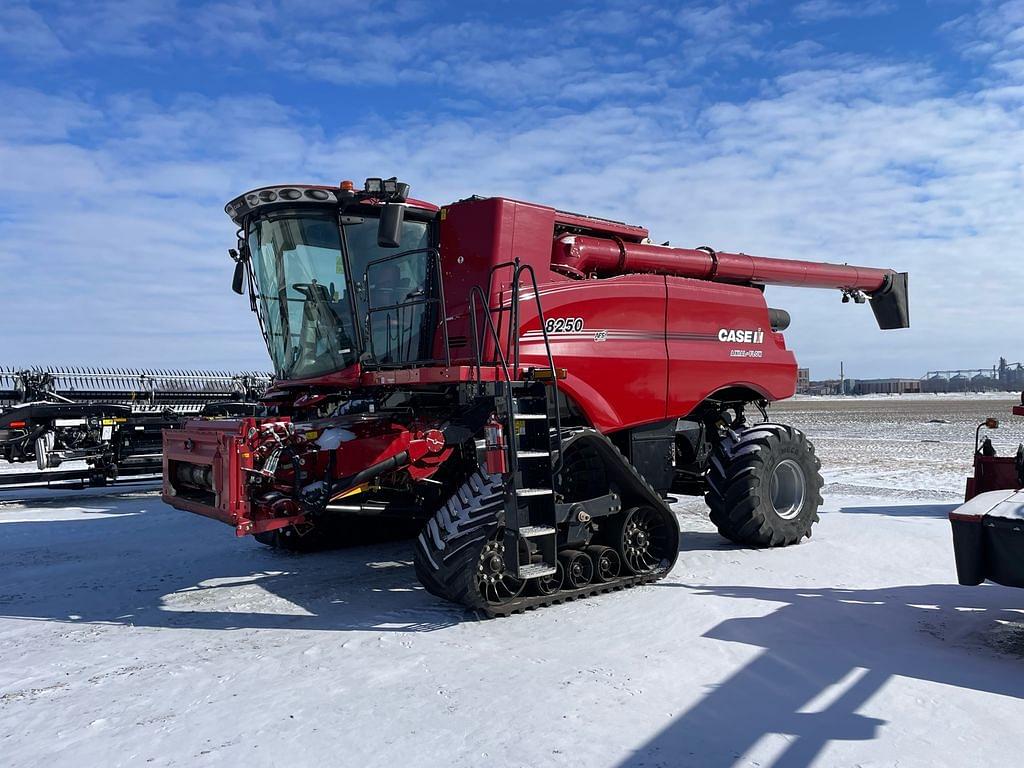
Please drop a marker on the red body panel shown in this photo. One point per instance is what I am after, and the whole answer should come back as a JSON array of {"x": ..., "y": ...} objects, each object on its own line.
[
  {"x": 701, "y": 364},
  {"x": 641, "y": 347},
  {"x": 219, "y": 444},
  {"x": 991, "y": 473},
  {"x": 614, "y": 351}
]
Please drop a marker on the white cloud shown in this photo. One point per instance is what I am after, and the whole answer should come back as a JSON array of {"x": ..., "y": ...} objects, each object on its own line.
[
  {"x": 25, "y": 34},
  {"x": 828, "y": 10},
  {"x": 114, "y": 212}
]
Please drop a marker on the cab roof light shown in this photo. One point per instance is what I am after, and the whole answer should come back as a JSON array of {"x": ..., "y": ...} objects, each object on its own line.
[
  {"x": 347, "y": 185},
  {"x": 387, "y": 190}
]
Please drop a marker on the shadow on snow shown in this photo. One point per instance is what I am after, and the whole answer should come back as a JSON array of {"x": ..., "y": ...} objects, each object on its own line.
[
  {"x": 904, "y": 510},
  {"x": 826, "y": 653},
  {"x": 135, "y": 562}
]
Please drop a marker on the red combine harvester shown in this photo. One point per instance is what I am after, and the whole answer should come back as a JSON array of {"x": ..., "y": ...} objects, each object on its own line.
[
  {"x": 988, "y": 529},
  {"x": 522, "y": 383}
]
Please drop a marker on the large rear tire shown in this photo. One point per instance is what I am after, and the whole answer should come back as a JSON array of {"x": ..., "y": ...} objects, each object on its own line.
[
  {"x": 458, "y": 554},
  {"x": 764, "y": 485}
]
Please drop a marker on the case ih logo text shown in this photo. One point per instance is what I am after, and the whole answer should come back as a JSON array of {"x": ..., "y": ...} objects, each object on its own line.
[{"x": 740, "y": 336}]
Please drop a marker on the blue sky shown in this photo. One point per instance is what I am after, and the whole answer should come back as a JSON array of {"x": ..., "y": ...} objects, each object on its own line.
[{"x": 877, "y": 132}]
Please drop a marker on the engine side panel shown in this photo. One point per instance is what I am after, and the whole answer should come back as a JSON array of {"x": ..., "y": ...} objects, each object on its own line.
[
  {"x": 610, "y": 336},
  {"x": 720, "y": 336},
  {"x": 642, "y": 348}
]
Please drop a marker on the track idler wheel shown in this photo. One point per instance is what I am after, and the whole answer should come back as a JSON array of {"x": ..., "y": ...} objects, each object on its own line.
[
  {"x": 578, "y": 568},
  {"x": 493, "y": 581},
  {"x": 645, "y": 539},
  {"x": 607, "y": 563}
]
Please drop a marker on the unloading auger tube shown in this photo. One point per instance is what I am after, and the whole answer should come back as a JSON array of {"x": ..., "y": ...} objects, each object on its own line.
[{"x": 582, "y": 255}]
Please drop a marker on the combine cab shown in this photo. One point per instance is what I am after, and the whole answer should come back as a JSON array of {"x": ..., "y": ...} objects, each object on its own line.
[
  {"x": 524, "y": 385},
  {"x": 988, "y": 530}
]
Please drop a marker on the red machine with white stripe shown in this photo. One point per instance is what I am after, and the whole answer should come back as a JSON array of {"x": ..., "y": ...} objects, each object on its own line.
[
  {"x": 523, "y": 383},
  {"x": 988, "y": 529}
]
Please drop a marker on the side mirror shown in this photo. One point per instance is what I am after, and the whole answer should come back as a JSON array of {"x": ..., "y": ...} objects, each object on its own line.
[
  {"x": 239, "y": 278},
  {"x": 389, "y": 231}
]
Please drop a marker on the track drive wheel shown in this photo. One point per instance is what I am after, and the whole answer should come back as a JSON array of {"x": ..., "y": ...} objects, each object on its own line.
[
  {"x": 764, "y": 485},
  {"x": 459, "y": 554}
]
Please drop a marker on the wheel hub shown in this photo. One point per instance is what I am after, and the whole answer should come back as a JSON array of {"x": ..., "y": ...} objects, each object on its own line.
[
  {"x": 788, "y": 489},
  {"x": 495, "y": 583}
]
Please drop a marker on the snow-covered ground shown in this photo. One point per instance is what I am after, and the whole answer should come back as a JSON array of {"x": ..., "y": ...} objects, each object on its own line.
[{"x": 132, "y": 634}]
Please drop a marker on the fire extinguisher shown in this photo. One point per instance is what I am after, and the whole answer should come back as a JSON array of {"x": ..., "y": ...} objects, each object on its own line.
[{"x": 495, "y": 453}]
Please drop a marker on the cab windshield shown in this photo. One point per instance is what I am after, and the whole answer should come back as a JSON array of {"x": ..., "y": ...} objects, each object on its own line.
[{"x": 312, "y": 296}]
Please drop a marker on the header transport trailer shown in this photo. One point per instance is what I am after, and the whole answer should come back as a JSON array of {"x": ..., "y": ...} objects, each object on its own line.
[
  {"x": 109, "y": 420},
  {"x": 525, "y": 384}
]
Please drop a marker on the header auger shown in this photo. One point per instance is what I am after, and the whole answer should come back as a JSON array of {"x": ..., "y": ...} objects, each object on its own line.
[{"x": 525, "y": 385}]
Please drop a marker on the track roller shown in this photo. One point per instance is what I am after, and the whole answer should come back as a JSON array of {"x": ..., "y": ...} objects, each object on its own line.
[
  {"x": 578, "y": 568},
  {"x": 607, "y": 563},
  {"x": 546, "y": 586}
]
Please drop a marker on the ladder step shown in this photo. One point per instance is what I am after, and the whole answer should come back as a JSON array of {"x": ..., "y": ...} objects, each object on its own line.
[
  {"x": 533, "y": 454},
  {"x": 533, "y": 491},
  {"x": 530, "y": 531},
  {"x": 532, "y": 571},
  {"x": 524, "y": 416}
]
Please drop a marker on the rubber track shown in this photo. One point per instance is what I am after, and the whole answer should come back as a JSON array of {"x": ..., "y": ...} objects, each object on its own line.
[
  {"x": 474, "y": 493},
  {"x": 524, "y": 604}
]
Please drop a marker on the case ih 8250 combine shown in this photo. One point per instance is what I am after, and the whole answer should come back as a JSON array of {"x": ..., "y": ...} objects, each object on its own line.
[{"x": 526, "y": 383}]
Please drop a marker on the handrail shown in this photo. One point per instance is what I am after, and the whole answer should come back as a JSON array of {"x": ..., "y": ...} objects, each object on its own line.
[
  {"x": 477, "y": 350},
  {"x": 520, "y": 269},
  {"x": 513, "y": 337}
]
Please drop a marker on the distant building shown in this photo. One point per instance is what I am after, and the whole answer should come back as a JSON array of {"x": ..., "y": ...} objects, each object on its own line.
[
  {"x": 803, "y": 380},
  {"x": 826, "y": 387},
  {"x": 886, "y": 386}
]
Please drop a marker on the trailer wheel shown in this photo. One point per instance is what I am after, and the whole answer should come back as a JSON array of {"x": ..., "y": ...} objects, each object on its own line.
[
  {"x": 764, "y": 485},
  {"x": 459, "y": 553}
]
